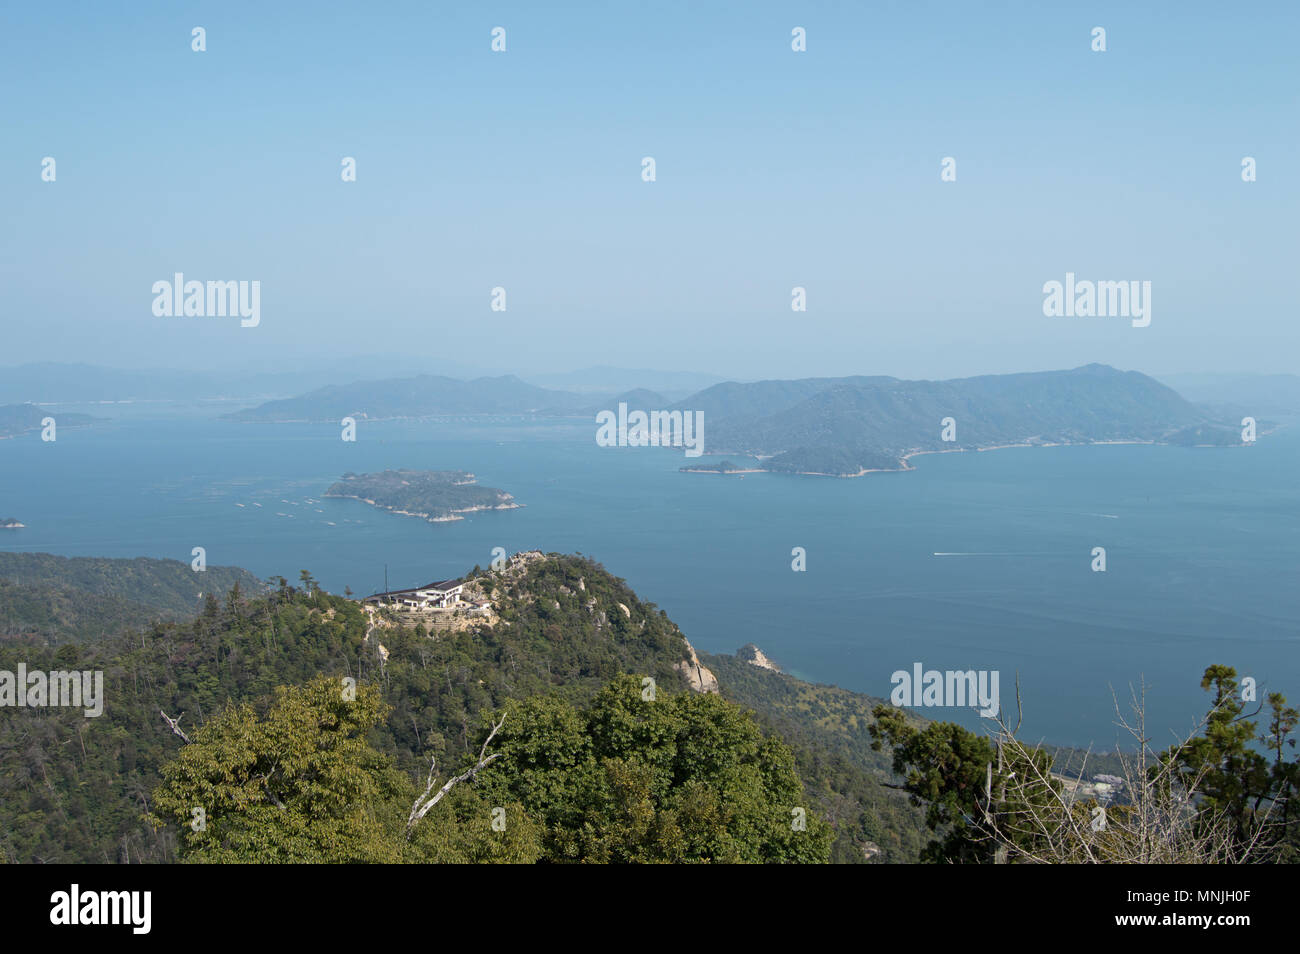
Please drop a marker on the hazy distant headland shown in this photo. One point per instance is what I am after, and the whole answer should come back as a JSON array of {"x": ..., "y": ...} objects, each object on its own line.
[
  {"x": 434, "y": 495},
  {"x": 860, "y": 425},
  {"x": 16, "y": 419},
  {"x": 425, "y": 395},
  {"x": 51, "y": 382},
  {"x": 825, "y": 426}
]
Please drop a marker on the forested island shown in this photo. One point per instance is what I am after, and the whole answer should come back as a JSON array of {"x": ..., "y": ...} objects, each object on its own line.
[
  {"x": 16, "y": 419},
  {"x": 846, "y": 427},
  {"x": 435, "y": 495}
]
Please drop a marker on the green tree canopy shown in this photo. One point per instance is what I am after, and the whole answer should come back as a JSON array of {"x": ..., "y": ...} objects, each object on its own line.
[
  {"x": 682, "y": 777},
  {"x": 299, "y": 783},
  {"x": 685, "y": 778}
]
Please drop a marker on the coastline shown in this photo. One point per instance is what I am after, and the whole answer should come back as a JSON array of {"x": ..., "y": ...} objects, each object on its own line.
[
  {"x": 906, "y": 458},
  {"x": 449, "y": 517},
  {"x": 722, "y": 473}
]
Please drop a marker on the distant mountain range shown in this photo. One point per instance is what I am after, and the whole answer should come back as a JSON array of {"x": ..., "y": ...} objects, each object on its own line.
[
  {"x": 847, "y": 426},
  {"x": 607, "y": 380},
  {"x": 641, "y": 398},
  {"x": 436, "y": 395},
  {"x": 425, "y": 395},
  {"x": 1256, "y": 394},
  {"x": 835, "y": 426},
  {"x": 58, "y": 383},
  {"x": 52, "y": 382}
]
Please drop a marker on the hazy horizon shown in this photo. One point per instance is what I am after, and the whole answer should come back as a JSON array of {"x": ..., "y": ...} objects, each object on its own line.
[
  {"x": 775, "y": 169},
  {"x": 325, "y": 366}
]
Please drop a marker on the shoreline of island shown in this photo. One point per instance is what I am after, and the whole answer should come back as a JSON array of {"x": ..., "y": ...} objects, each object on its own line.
[
  {"x": 905, "y": 459},
  {"x": 723, "y": 473},
  {"x": 449, "y": 518}
]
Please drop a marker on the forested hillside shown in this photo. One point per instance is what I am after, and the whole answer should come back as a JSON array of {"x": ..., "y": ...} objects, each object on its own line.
[
  {"x": 78, "y": 789},
  {"x": 60, "y": 598},
  {"x": 305, "y": 729},
  {"x": 828, "y": 728}
]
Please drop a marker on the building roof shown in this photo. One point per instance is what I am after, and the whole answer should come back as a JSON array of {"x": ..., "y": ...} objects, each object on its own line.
[
  {"x": 441, "y": 586},
  {"x": 375, "y": 596}
]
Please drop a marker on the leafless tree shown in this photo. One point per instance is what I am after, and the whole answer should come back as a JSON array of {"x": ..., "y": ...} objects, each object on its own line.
[
  {"x": 431, "y": 798},
  {"x": 1036, "y": 817}
]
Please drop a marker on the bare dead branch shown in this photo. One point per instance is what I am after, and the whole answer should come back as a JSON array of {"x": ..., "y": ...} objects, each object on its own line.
[
  {"x": 176, "y": 725},
  {"x": 428, "y": 800}
]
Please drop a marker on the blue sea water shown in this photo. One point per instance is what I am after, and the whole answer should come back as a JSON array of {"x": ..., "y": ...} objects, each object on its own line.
[{"x": 1201, "y": 544}]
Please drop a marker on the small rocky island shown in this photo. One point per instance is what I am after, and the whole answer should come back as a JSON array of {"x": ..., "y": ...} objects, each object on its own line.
[
  {"x": 434, "y": 495},
  {"x": 10, "y": 523}
]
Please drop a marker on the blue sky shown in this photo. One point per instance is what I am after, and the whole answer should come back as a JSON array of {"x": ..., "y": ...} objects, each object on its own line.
[{"x": 774, "y": 169}]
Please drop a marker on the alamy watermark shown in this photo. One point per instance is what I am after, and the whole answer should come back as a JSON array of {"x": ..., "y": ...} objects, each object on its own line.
[
  {"x": 651, "y": 429},
  {"x": 181, "y": 299},
  {"x": 1088, "y": 299},
  {"x": 127, "y": 908},
  {"x": 59, "y": 687},
  {"x": 953, "y": 687}
]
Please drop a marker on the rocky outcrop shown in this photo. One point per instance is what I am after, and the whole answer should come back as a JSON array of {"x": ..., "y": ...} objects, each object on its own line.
[
  {"x": 518, "y": 564},
  {"x": 513, "y": 570},
  {"x": 754, "y": 656},
  {"x": 697, "y": 676}
]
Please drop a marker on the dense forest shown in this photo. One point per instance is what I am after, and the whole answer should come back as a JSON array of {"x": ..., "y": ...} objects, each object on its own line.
[
  {"x": 69, "y": 598},
  {"x": 77, "y": 789}
]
